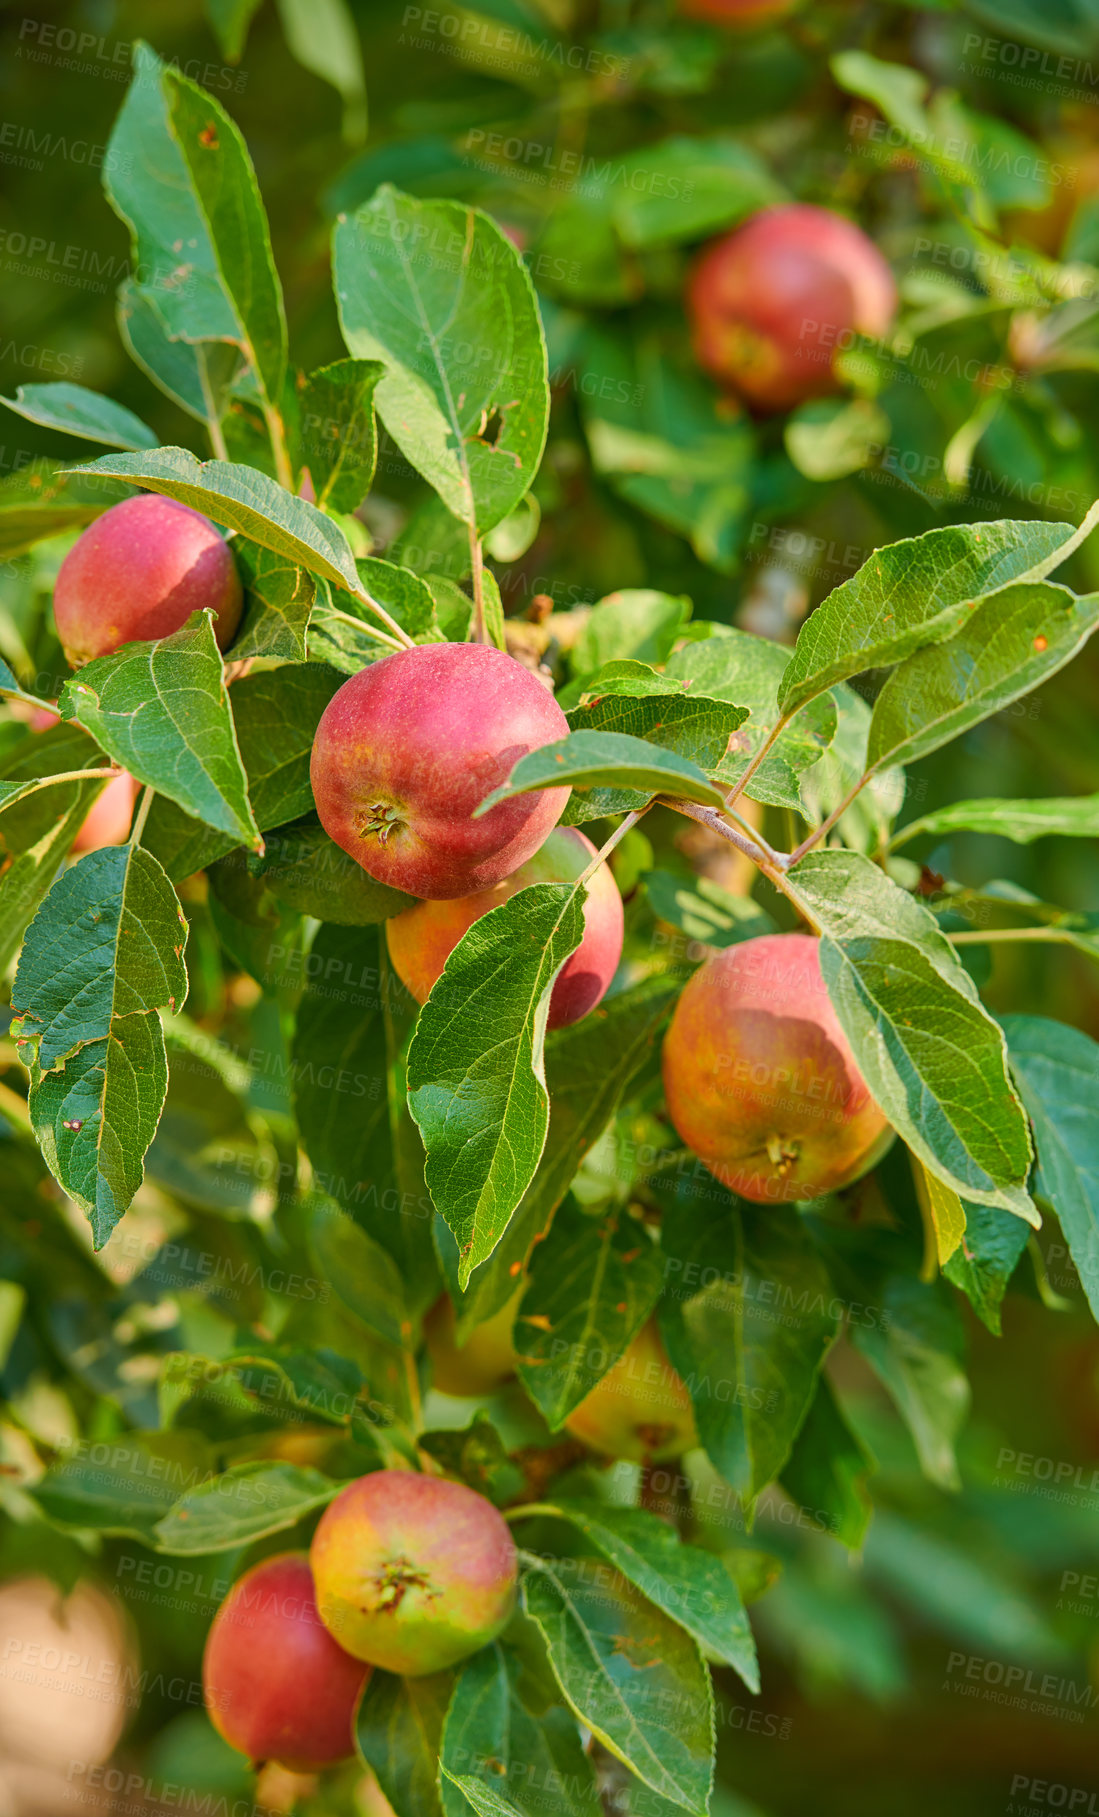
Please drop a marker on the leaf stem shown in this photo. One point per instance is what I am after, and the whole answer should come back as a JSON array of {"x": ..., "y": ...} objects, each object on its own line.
[
  {"x": 277, "y": 436},
  {"x": 528, "y": 1509},
  {"x": 29, "y": 700},
  {"x": 620, "y": 832},
  {"x": 44, "y": 782},
  {"x": 213, "y": 422},
  {"x": 765, "y": 748},
  {"x": 478, "y": 630},
  {"x": 401, "y": 641},
  {"x": 142, "y": 815},
  {"x": 1064, "y": 936},
  {"x": 825, "y": 827}
]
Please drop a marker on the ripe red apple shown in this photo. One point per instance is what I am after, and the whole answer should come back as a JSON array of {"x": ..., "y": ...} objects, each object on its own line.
[
  {"x": 408, "y": 748},
  {"x": 109, "y": 817},
  {"x": 413, "y": 1573},
  {"x": 760, "y": 1080},
  {"x": 421, "y": 939},
  {"x": 773, "y": 302},
  {"x": 276, "y": 1684},
  {"x": 737, "y": 14},
  {"x": 641, "y": 1409},
  {"x": 484, "y": 1362},
  {"x": 138, "y": 573}
]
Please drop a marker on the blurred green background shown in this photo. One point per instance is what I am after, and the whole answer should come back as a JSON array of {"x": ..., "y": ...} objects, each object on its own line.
[{"x": 613, "y": 138}]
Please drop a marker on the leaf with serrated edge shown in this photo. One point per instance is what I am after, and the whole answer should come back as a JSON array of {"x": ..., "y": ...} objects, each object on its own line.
[
  {"x": 932, "y": 1056},
  {"x": 79, "y": 412},
  {"x": 339, "y": 435},
  {"x": 244, "y": 499},
  {"x": 1012, "y": 642},
  {"x": 1057, "y": 1071},
  {"x": 941, "y": 1208},
  {"x": 631, "y": 1675},
  {"x": 398, "y": 1732},
  {"x": 476, "y": 1078},
  {"x": 588, "y": 760},
  {"x": 690, "y": 1585},
  {"x": 278, "y": 599},
  {"x": 915, "y": 592},
  {"x": 490, "y": 1735},
  {"x": 243, "y": 1505},
  {"x": 162, "y": 711},
  {"x": 593, "y": 1283},
  {"x": 1065, "y": 816},
  {"x": 461, "y": 339}
]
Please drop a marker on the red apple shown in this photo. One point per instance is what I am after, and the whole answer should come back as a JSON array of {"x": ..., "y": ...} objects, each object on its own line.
[
  {"x": 138, "y": 573},
  {"x": 109, "y": 817},
  {"x": 276, "y": 1684},
  {"x": 421, "y": 939},
  {"x": 409, "y": 747},
  {"x": 413, "y": 1573},
  {"x": 760, "y": 1080},
  {"x": 773, "y": 302}
]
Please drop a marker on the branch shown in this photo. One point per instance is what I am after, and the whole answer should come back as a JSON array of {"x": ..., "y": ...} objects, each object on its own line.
[{"x": 774, "y": 872}]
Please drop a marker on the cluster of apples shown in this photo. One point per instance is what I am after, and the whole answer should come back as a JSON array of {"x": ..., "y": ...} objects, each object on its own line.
[{"x": 408, "y": 1573}]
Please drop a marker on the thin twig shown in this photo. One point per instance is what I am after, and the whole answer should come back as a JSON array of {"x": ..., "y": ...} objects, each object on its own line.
[
  {"x": 775, "y": 873},
  {"x": 479, "y": 630},
  {"x": 620, "y": 832},
  {"x": 825, "y": 827},
  {"x": 764, "y": 750}
]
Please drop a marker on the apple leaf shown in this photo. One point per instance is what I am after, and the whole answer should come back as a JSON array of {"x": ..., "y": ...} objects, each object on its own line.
[
  {"x": 162, "y": 711},
  {"x": 912, "y": 593},
  {"x": 129, "y": 1490},
  {"x": 77, "y": 411},
  {"x": 983, "y": 1265},
  {"x": 44, "y": 498},
  {"x": 1056, "y": 1068},
  {"x": 623, "y": 1664},
  {"x": 478, "y": 1795},
  {"x": 490, "y": 1730},
  {"x": 692, "y": 1586},
  {"x": 194, "y": 374},
  {"x": 338, "y": 432},
  {"x": 398, "y": 1732},
  {"x": 593, "y": 1283},
  {"x": 933, "y": 1057},
  {"x": 278, "y": 599},
  {"x": 631, "y": 699},
  {"x": 1067, "y": 816},
  {"x": 476, "y": 1077},
  {"x": 606, "y": 760},
  {"x": 308, "y": 871},
  {"x": 37, "y": 831},
  {"x": 827, "y": 1469},
  {"x": 439, "y": 294},
  {"x": 1011, "y": 643},
  {"x": 247, "y": 1503},
  {"x": 916, "y": 1347}
]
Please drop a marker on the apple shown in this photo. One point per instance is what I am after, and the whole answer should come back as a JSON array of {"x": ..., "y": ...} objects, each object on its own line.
[
  {"x": 760, "y": 1080},
  {"x": 138, "y": 573},
  {"x": 277, "y": 1686},
  {"x": 422, "y": 938},
  {"x": 109, "y": 817},
  {"x": 413, "y": 1573},
  {"x": 484, "y": 1362},
  {"x": 409, "y": 747},
  {"x": 771, "y": 303},
  {"x": 641, "y": 1409}
]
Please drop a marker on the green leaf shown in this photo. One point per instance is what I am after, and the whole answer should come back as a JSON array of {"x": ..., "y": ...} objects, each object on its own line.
[
  {"x": 637, "y": 623},
  {"x": 916, "y": 1346},
  {"x": 476, "y": 1079},
  {"x": 43, "y": 499},
  {"x": 363, "y": 1275},
  {"x": 230, "y": 20},
  {"x": 195, "y": 375},
  {"x": 690, "y": 1585},
  {"x": 1068, "y": 816},
  {"x": 493, "y": 1742},
  {"x": 125, "y": 1485},
  {"x": 1057, "y": 1071},
  {"x": 276, "y": 713},
  {"x": 322, "y": 36},
  {"x": 81, "y": 412},
  {"x": 148, "y": 184},
  {"x": 703, "y": 911},
  {"x": 738, "y": 666},
  {"x": 106, "y": 943},
  {"x": 36, "y": 833},
  {"x": 309, "y": 872},
  {"x": 1011, "y": 643},
  {"x": 985, "y": 1260},
  {"x": 225, "y": 188},
  {"x": 866, "y": 822},
  {"x": 828, "y": 438},
  {"x": 245, "y": 1504},
  {"x": 162, "y": 711},
  {"x": 685, "y": 188},
  {"x": 632, "y": 700},
  {"x": 440, "y": 295},
  {"x": 476, "y": 1454},
  {"x": 932, "y": 1056},
  {"x": 827, "y": 1469},
  {"x": 750, "y": 1341},
  {"x": 339, "y": 435},
  {"x": 631, "y": 1675},
  {"x": 942, "y": 1210},
  {"x": 398, "y": 1732},
  {"x": 588, "y": 1070},
  {"x": 479, "y": 1796},
  {"x": 244, "y": 499},
  {"x": 593, "y": 1283},
  {"x": 278, "y": 599},
  {"x": 606, "y": 760},
  {"x": 910, "y": 594}
]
